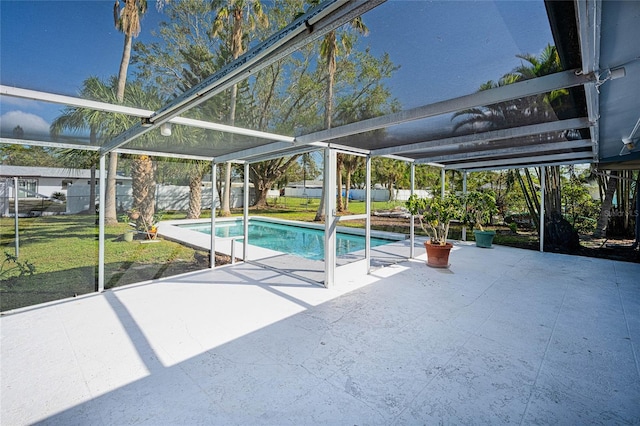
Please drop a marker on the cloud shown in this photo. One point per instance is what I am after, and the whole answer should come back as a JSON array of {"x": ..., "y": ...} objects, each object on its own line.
[
  {"x": 19, "y": 102},
  {"x": 30, "y": 123}
]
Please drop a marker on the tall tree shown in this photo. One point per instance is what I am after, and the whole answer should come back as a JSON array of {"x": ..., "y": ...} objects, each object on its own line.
[
  {"x": 231, "y": 14},
  {"x": 186, "y": 55},
  {"x": 127, "y": 21},
  {"x": 365, "y": 97},
  {"x": 281, "y": 98},
  {"x": 104, "y": 125},
  {"x": 524, "y": 111},
  {"x": 329, "y": 52},
  {"x": 351, "y": 164},
  {"x": 81, "y": 119},
  {"x": 388, "y": 171},
  {"x": 22, "y": 155},
  {"x": 143, "y": 183},
  {"x": 191, "y": 53}
]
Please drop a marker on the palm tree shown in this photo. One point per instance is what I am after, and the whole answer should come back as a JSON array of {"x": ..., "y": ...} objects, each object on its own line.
[
  {"x": 351, "y": 164},
  {"x": 329, "y": 52},
  {"x": 143, "y": 183},
  {"x": 106, "y": 125},
  {"x": 194, "y": 170},
  {"x": 231, "y": 13},
  {"x": 529, "y": 110},
  {"x": 126, "y": 20},
  {"x": 79, "y": 119}
]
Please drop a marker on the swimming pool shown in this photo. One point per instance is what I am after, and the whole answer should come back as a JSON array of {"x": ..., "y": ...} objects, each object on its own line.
[{"x": 287, "y": 238}]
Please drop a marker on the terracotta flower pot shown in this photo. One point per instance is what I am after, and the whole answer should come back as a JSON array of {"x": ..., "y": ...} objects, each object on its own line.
[{"x": 437, "y": 255}]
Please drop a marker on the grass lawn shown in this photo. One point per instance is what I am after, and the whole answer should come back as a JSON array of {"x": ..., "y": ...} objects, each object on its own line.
[{"x": 64, "y": 252}]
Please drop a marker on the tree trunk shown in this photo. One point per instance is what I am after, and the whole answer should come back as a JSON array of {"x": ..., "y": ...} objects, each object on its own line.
[
  {"x": 348, "y": 187},
  {"x": 143, "y": 187},
  {"x": 195, "y": 197},
  {"x": 261, "y": 195},
  {"x": 531, "y": 201},
  {"x": 110, "y": 211},
  {"x": 328, "y": 106},
  {"x": 124, "y": 66},
  {"x": 92, "y": 174},
  {"x": 236, "y": 51},
  {"x": 320, "y": 212},
  {"x": 605, "y": 209},
  {"x": 92, "y": 190},
  {"x": 225, "y": 208},
  {"x": 339, "y": 164},
  {"x": 553, "y": 200},
  {"x": 110, "y": 215}
]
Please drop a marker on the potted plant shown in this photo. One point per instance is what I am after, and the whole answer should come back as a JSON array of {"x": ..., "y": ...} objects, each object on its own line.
[
  {"x": 133, "y": 214},
  {"x": 479, "y": 208},
  {"x": 435, "y": 215}
]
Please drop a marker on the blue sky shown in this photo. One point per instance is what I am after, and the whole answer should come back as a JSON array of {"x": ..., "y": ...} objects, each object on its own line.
[{"x": 445, "y": 49}]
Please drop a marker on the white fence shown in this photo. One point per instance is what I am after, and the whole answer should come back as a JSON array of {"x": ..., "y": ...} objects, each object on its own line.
[
  {"x": 358, "y": 194},
  {"x": 168, "y": 197}
]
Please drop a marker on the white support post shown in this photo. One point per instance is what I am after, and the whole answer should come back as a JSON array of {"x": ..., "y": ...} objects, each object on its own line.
[
  {"x": 101, "y": 214},
  {"x": 442, "y": 183},
  {"x": 245, "y": 210},
  {"x": 464, "y": 192},
  {"x": 329, "y": 217},
  {"x": 412, "y": 226},
  {"x": 214, "y": 193},
  {"x": 543, "y": 171},
  {"x": 367, "y": 235}
]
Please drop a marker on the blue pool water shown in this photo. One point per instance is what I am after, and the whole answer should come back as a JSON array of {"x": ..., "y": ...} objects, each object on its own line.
[{"x": 291, "y": 239}]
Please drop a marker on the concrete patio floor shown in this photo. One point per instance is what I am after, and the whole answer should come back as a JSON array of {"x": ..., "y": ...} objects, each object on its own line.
[{"x": 506, "y": 336}]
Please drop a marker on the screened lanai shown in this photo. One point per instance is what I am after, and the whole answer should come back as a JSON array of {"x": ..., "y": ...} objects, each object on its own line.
[
  {"x": 440, "y": 55},
  {"x": 505, "y": 336}
]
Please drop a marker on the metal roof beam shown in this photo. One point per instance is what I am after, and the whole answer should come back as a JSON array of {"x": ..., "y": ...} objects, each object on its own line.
[
  {"x": 521, "y": 162},
  {"x": 555, "y": 126},
  {"x": 589, "y": 16},
  {"x": 320, "y": 20},
  {"x": 17, "y": 92},
  {"x": 49, "y": 144},
  {"x": 521, "y": 89},
  {"x": 162, "y": 154},
  {"x": 274, "y": 155},
  {"x": 553, "y": 163},
  {"x": 252, "y": 152},
  {"x": 523, "y": 149},
  {"x": 400, "y": 158}
]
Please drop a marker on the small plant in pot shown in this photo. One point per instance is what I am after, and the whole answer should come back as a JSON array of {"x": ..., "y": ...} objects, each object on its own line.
[
  {"x": 133, "y": 214},
  {"x": 479, "y": 208},
  {"x": 435, "y": 215}
]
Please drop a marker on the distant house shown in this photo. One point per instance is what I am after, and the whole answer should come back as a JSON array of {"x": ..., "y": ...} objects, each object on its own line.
[{"x": 43, "y": 182}]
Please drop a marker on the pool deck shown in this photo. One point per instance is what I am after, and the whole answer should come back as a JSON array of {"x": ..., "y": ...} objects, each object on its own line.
[{"x": 505, "y": 336}]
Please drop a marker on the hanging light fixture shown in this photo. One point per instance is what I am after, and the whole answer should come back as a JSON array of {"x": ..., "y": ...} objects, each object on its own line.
[{"x": 165, "y": 129}]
